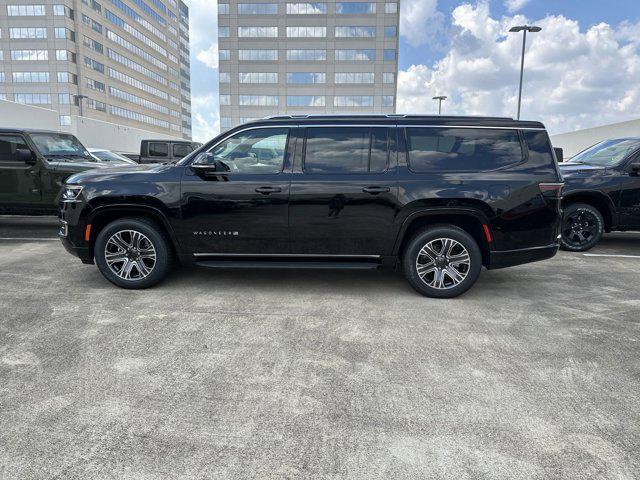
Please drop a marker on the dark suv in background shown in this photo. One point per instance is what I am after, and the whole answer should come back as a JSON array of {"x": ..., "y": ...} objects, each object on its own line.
[
  {"x": 440, "y": 196},
  {"x": 602, "y": 192}
]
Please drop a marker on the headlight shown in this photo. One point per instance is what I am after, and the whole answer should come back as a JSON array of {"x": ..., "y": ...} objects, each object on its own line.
[{"x": 70, "y": 193}]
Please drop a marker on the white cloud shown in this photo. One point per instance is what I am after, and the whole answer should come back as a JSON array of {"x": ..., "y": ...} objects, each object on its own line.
[
  {"x": 515, "y": 5},
  {"x": 420, "y": 21},
  {"x": 209, "y": 57},
  {"x": 573, "y": 79},
  {"x": 205, "y": 118}
]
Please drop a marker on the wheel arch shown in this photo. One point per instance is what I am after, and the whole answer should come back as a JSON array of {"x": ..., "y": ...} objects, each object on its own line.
[
  {"x": 103, "y": 215},
  {"x": 598, "y": 200},
  {"x": 470, "y": 220}
]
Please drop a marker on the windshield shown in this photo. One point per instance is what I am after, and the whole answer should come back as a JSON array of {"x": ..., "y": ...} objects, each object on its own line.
[
  {"x": 60, "y": 145},
  {"x": 109, "y": 156},
  {"x": 608, "y": 153}
]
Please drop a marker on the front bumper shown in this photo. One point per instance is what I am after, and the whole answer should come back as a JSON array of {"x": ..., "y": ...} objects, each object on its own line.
[
  {"x": 71, "y": 232},
  {"x": 511, "y": 258}
]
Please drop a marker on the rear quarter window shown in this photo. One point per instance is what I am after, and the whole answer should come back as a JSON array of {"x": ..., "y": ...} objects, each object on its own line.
[
  {"x": 540, "y": 150},
  {"x": 158, "y": 149},
  {"x": 462, "y": 149}
]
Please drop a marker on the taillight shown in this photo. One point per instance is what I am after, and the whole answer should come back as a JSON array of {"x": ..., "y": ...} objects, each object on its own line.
[{"x": 551, "y": 190}]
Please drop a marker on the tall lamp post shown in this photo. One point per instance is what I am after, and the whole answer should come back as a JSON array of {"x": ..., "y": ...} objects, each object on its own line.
[
  {"x": 80, "y": 98},
  {"x": 524, "y": 29},
  {"x": 440, "y": 99}
]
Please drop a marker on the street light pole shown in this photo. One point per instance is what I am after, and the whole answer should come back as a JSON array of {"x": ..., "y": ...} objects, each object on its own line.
[
  {"x": 440, "y": 98},
  {"x": 524, "y": 29},
  {"x": 80, "y": 98}
]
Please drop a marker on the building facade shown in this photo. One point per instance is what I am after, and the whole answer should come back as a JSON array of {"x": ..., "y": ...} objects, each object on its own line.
[
  {"x": 124, "y": 62},
  {"x": 288, "y": 57}
]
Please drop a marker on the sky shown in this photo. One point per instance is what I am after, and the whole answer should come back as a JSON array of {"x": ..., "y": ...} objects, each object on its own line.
[{"x": 581, "y": 70}]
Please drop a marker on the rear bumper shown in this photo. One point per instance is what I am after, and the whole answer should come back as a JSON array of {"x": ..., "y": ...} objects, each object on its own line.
[{"x": 510, "y": 258}]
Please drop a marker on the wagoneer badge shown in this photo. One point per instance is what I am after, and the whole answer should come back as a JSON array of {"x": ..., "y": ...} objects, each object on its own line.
[{"x": 221, "y": 233}]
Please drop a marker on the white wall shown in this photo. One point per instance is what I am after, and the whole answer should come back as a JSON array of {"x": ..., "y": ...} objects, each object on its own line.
[
  {"x": 92, "y": 133},
  {"x": 575, "y": 142}
]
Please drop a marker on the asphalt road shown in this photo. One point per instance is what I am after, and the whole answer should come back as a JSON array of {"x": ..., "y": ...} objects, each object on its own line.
[{"x": 534, "y": 373}]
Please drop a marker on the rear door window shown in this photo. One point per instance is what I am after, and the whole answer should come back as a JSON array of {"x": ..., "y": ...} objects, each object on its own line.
[
  {"x": 158, "y": 149},
  {"x": 344, "y": 150},
  {"x": 461, "y": 149}
]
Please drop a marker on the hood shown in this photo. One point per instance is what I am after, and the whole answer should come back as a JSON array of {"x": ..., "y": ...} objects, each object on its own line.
[
  {"x": 580, "y": 168},
  {"x": 112, "y": 171},
  {"x": 73, "y": 164}
]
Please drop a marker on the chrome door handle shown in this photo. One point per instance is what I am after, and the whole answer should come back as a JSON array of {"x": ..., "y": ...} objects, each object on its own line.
[{"x": 374, "y": 190}]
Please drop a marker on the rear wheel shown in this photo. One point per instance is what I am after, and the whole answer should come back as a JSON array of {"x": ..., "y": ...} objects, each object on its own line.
[
  {"x": 132, "y": 253},
  {"x": 582, "y": 227},
  {"x": 442, "y": 261}
]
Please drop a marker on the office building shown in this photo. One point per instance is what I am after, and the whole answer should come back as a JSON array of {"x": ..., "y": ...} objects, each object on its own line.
[
  {"x": 124, "y": 62},
  {"x": 289, "y": 57}
]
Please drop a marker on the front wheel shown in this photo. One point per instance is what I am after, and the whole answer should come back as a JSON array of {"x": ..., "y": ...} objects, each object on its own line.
[
  {"x": 132, "y": 253},
  {"x": 442, "y": 261},
  {"x": 582, "y": 227}
]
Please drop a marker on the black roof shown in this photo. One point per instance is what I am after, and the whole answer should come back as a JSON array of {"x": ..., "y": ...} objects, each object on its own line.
[
  {"x": 30, "y": 130},
  {"x": 400, "y": 118}
]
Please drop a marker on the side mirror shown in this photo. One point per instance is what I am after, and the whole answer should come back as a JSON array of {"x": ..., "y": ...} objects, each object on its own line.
[
  {"x": 559, "y": 154},
  {"x": 25, "y": 155},
  {"x": 207, "y": 163}
]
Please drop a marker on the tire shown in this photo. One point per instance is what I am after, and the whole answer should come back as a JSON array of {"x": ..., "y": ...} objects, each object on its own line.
[
  {"x": 140, "y": 236},
  {"x": 416, "y": 257},
  {"x": 582, "y": 227}
]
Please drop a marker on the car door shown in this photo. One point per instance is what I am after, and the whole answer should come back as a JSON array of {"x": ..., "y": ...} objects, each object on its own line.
[
  {"x": 235, "y": 196},
  {"x": 629, "y": 203},
  {"x": 344, "y": 191},
  {"x": 19, "y": 181}
]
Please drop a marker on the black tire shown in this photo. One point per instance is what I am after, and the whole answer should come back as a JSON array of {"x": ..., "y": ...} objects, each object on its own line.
[
  {"x": 153, "y": 236},
  {"x": 414, "y": 254},
  {"x": 582, "y": 227}
]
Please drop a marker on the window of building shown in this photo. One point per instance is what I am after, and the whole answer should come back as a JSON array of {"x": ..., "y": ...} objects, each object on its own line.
[
  {"x": 225, "y": 77},
  {"x": 92, "y": 44},
  {"x": 63, "y": 77},
  {"x": 305, "y": 101},
  {"x": 307, "y": 8},
  {"x": 225, "y": 99},
  {"x": 91, "y": 63},
  {"x": 93, "y": 4},
  {"x": 388, "y": 77},
  {"x": 390, "y": 31},
  {"x": 461, "y": 149},
  {"x": 389, "y": 55},
  {"x": 354, "y": 77},
  {"x": 307, "y": 55},
  {"x": 28, "y": 32},
  {"x": 223, "y": 32},
  {"x": 65, "y": 33},
  {"x": 258, "y": 77},
  {"x": 339, "y": 150},
  {"x": 355, "y": 32},
  {"x": 390, "y": 7},
  {"x": 306, "y": 77},
  {"x": 257, "y": 32},
  {"x": 32, "y": 98},
  {"x": 29, "y": 55},
  {"x": 224, "y": 55},
  {"x": 355, "y": 55},
  {"x": 257, "y": 9},
  {"x": 258, "y": 151},
  {"x": 258, "y": 55},
  {"x": 64, "y": 99},
  {"x": 223, "y": 9},
  {"x": 259, "y": 100},
  {"x": 65, "y": 120},
  {"x": 25, "y": 10},
  {"x": 353, "y": 101},
  {"x": 387, "y": 100},
  {"x": 225, "y": 122},
  {"x": 306, "y": 32},
  {"x": 30, "y": 77},
  {"x": 95, "y": 85},
  {"x": 355, "y": 8}
]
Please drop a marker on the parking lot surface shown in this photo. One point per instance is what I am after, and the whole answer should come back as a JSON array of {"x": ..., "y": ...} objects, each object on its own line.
[{"x": 534, "y": 373}]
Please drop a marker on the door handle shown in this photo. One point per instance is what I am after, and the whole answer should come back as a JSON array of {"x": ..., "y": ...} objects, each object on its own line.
[
  {"x": 268, "y": 190},
  {"x": 374, "y": 190}
]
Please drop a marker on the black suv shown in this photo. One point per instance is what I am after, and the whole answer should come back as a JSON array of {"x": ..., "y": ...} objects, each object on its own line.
[
  {"x": 602, "y": 192},
  {"x": 33, "y": 167},
  {"x": 440, "y": 196}
]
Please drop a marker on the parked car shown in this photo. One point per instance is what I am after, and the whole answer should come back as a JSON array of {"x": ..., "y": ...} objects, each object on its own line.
[
  {"x": 33, "y": 166},
  {"x": 161, "y": 151},
  {"x": 602, "y": 192},
  {"x": 112, "y": 158},
  {"x": 439, "y": 196}
]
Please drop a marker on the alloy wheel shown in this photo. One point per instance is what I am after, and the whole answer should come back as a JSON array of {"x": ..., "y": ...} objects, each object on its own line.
[
  {"x": 130, "y": 255},
  {"x": 443, "y": 263},
  {"x": 580, "y": 228}
]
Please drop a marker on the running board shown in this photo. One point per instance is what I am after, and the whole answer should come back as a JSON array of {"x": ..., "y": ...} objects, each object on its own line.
[{"x": 288, "y": 265}]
